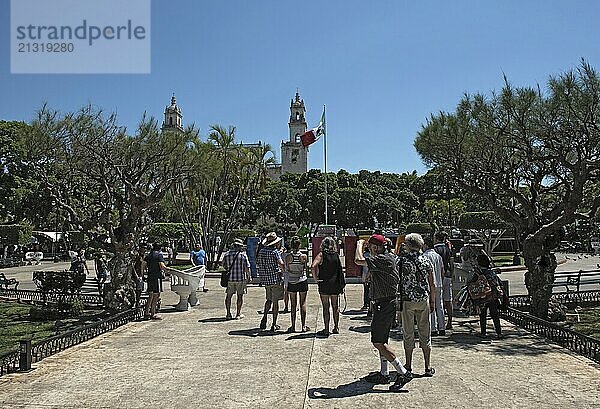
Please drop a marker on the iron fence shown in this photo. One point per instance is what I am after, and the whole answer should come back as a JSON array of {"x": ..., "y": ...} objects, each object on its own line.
[
  {"x": 566, "y": 297},
  {"x": 572, "y": 340},
  {"x": 38, "y": 296},
  {"x": 9, "y": 361}
]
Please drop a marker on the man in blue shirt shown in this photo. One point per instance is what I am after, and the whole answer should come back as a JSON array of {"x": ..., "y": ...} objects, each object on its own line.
[{"x": 198, "y": 258}]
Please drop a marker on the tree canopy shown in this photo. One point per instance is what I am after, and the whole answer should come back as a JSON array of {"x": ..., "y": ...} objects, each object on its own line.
[{"x": 530, "y": 154}]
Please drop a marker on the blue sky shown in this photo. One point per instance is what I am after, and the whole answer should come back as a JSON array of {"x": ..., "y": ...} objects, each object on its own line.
[{"x": 381, "y": 67}]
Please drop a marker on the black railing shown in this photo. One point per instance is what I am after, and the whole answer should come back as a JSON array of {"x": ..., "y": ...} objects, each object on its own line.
[
  {"x": 9, "y": 361},
  {"x": 568, "y": 297},
  {"x": 34, "y": 295},
  {"x": 572, "y": 340}
]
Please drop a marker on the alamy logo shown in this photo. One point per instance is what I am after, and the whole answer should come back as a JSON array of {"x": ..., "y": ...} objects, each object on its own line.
[{"x": 79, "y": 37}]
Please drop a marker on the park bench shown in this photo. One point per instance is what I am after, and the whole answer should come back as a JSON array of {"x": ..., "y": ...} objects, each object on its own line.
[
  {"x": 573, "y": 280},
  {"x": 185, "y": 283},
  {"x": 5, "y": 282}
]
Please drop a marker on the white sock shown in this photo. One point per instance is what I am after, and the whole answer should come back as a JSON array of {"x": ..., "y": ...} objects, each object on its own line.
[
  {"x": 384, "y": 366},
  {"x": 399, "y": 368}
]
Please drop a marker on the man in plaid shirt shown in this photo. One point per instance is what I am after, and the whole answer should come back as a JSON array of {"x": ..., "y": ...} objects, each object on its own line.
[{"x": 236, "y": 262}]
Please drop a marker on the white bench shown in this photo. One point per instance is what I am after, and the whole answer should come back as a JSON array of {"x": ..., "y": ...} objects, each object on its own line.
[
  {"x": 34, "y": 257},
  {"x": 185, "y": 283}
]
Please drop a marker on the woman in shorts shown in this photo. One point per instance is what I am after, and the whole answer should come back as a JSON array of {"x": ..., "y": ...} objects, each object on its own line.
[
  {"x": 295, "y": 265},
  {"x": 327, "y": 270}
]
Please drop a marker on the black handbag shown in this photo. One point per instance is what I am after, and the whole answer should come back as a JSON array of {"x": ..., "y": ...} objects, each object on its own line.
[{"x": 225, "y": 274}]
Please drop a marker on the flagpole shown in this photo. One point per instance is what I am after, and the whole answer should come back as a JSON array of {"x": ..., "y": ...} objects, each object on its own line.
[{"x": 325, "y": 163}]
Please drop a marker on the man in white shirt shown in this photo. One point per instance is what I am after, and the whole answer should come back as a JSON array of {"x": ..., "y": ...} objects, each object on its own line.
[{"x": 437, "y": 317}]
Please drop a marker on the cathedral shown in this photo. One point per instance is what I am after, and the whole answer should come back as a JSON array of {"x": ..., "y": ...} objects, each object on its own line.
[{"x": 294, "y": 156}]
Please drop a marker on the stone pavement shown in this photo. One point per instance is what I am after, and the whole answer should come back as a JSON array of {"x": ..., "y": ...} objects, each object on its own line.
[{"x": 196, "y": 359}]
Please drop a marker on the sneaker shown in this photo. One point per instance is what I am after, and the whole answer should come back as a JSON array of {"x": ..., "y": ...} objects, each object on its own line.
[
  {"x": 239, "y": 317},
  {"x": 377, "y": 378},
  {"x": 429, "y": 372},
  {"x": 401, "y": 380}
]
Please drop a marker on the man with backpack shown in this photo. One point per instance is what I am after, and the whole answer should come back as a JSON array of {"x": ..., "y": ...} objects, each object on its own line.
[{"x": 384, "y": 278}]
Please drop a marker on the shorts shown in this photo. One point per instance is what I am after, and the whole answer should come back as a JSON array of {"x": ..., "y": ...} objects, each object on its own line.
[
  {"x": 154, "y": 285},
  {"x": 447, "y": 289},
  {"x": 274, "y": 292},
  {"x": 236, "y": 287},
  {"x": 300, "y": 287},
  {"x": 384, "y": 313}
]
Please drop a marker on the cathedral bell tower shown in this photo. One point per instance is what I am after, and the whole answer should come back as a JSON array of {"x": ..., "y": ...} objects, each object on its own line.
[
  {"x": 294, "y": 156},
  {"x": 173, "y": 117}
]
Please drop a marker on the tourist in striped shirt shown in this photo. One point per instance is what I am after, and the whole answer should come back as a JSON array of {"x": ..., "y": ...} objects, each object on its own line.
[{"x": 270, "y": 270}]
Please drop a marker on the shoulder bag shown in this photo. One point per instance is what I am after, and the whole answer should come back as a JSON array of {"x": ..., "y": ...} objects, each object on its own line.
[{"x": 225, "y": 274}]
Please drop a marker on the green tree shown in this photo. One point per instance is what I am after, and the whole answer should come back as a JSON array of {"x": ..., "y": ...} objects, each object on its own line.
[
  {"x": 219, "y": 194},
  {"x": 486, "y": 226},
  {"x": 530, "y": 155},
  {"x": 105, "y": 180}
]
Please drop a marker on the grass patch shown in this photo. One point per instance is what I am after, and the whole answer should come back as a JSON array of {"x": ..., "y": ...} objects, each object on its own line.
[
  {"x": 503, "y": 260},
  {"x": 15, "y": 324},
  {"x": 589, "y": 323}
]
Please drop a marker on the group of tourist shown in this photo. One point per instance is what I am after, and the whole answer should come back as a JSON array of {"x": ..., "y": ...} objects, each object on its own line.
[
  {"x": 286, "y": 271},
  {"x": 415, "y": 284}
]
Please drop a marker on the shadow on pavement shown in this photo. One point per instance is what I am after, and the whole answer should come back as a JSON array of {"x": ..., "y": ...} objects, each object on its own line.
[
  {"x": 354, "y": 312},
  {"x": 356, "y": 388},
  {"x": 365, "y": 329},
  {"x": 214, "y": 320},
  {"x": 305, "y": 335}
]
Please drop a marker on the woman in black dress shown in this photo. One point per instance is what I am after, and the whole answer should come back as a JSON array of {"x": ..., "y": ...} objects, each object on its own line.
[{"x": 327, "y": 271}]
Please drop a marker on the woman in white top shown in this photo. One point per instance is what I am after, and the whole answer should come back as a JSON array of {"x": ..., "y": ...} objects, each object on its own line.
[{"x": 295, "y": 264}]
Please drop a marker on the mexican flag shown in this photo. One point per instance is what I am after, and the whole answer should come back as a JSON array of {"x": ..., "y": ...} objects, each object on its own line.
[{"x": 311, "y": 136}]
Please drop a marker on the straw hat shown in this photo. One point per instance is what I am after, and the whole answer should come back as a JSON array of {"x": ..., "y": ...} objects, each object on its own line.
[{"x": 271, "y": 239}]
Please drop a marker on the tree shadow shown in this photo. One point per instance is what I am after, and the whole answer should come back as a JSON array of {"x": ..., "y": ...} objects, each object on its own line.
[{"x": 355, "y": 388}]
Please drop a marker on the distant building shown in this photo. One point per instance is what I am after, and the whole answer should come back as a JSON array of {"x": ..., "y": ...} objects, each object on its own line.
[{"x": 294, "y": 156}]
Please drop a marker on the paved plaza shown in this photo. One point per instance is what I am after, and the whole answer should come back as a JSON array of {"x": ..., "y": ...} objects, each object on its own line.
[{"x": 196, "y": 359}]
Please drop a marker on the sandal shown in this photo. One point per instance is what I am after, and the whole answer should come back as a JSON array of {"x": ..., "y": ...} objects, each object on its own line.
[
  {"x": 429, "y": 372},
  {"x": 305, "y": 328},
  {"x": 275, "y": 328},
  {"x": 291, "y": 330},
  {"x": 335, "y": 331}
]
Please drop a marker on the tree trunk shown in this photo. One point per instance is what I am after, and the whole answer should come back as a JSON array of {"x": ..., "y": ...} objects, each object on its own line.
[
  {"x": 541, "y": 264},
  {"x": 120, "y": 294}
]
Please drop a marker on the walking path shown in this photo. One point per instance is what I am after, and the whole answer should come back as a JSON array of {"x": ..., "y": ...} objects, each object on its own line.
[{"x": 196, "y": 359}]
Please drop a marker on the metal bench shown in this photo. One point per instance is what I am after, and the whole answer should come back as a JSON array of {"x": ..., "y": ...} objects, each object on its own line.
[
  {"x": 5, "y": 282},
  {"x": 573, "y": 280}
]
